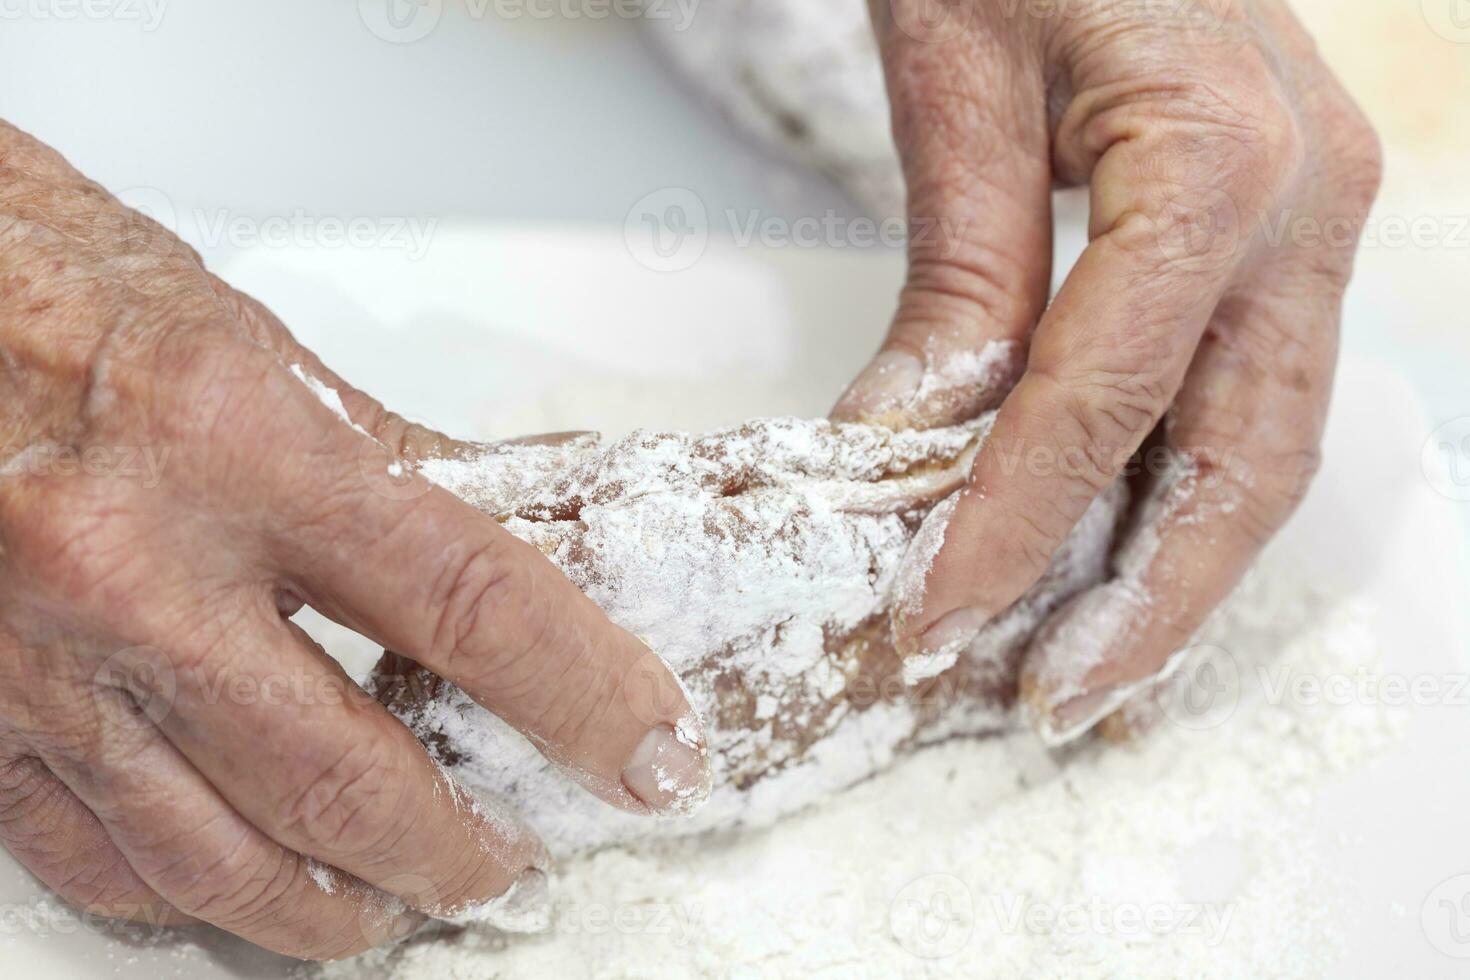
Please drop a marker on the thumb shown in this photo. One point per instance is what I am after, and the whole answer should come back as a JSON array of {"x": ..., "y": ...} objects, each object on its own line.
[{"x": 969, "y": 118}]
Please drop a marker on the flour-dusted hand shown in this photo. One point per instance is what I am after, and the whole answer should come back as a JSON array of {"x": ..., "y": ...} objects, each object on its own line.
[
  {"x": 179, "y": 476},
  {"x": 1229, "y": 175}
]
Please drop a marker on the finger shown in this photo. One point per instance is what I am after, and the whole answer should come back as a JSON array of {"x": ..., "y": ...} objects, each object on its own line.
[
  {"x": 51, "y": 833},
  {"x": 435, "y": 580},
  {"x": 200, "y": 855},
  {"x": 352, "y": 788},
  {"x": 1106, "y": 361},
  {"x": 1242, "y": 448},
  {"x": 408, "y": 441},
  {"x": 969, "y": 119}
]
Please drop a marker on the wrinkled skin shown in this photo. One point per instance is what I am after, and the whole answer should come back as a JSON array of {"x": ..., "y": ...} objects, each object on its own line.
[
  {"x": 1228, "y": 174},
  {"x": 151, "y": 766},
  {"x": 172, "y": 748}
]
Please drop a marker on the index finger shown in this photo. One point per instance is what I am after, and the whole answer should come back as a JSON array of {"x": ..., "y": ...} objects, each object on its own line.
[
  {"x": 435, "y": 580},
  {"x": 1106, "y": 361}
]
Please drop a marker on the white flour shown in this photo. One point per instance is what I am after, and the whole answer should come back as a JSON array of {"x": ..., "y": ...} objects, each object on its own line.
[
  {"x": 755, "y": 561},
  {"x": 1186, "y": 856}
]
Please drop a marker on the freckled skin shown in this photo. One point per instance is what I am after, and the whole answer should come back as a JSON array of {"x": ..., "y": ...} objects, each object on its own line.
[{"x": 172, "y": 748}]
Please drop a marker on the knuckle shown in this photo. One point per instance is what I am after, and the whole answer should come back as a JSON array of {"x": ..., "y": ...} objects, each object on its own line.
[
  {"x": 1109, "y": 409},
  {"x": 1231, "y": 127},
  {"x": 1024, "y": 551},
  {"x": 227, "y": 886},
  {"x": 1284, "y": 484},
  {"x": 26, "y": 788},
  {"x": 70, "y": 539},
  {"x": 208, "y": 389},
  {"x": 980, "y": 287},
  {"x": 1357, "y": 160},
  {"x": 1274, "y": 148},
  {"x": 102, "y": 884},
  {"x": 473, "y": 588},
  {"x": 351, "y": 805},
  {"x": 1269, "y": 494}
]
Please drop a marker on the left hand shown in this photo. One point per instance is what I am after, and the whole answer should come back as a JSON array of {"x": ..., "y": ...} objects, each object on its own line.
[{"x": 1229, "y": 175}]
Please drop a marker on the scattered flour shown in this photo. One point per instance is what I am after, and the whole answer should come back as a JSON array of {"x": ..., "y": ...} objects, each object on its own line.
[
  {"x": 759, "y": 563},
  {"x": 1187, "y": 855},
  {"x": 327, "y": 395}
]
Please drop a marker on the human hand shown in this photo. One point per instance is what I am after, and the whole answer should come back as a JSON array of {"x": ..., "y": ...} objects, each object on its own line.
[
  {"x": 172, "y": 748},
  {"x": 1229, "y": 174}
]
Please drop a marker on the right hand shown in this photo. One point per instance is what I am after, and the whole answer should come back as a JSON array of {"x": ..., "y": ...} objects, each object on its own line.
[{"x": 172, "y": 747}]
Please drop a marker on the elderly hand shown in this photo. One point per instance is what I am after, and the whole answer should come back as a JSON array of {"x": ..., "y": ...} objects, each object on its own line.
[
  {"x": 1229, "y": 174},
  {"x": 178, "y": 478}
]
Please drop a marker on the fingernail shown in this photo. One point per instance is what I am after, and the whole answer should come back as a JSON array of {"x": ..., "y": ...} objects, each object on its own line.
[
  {"x": 669, "y": 771},
  {"x": 403, "y": 928},
  {"x": 523, "y": 907},
  {"x": 1072, "y": 678},
  {"x": 887, "y": 384},
  {"x": 940, "y": 645},
  {"x": 1063, "y": 723}
]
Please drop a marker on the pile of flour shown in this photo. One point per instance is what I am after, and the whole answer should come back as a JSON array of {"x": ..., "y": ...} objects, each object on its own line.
[{"x": 1188, "y": 854}]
